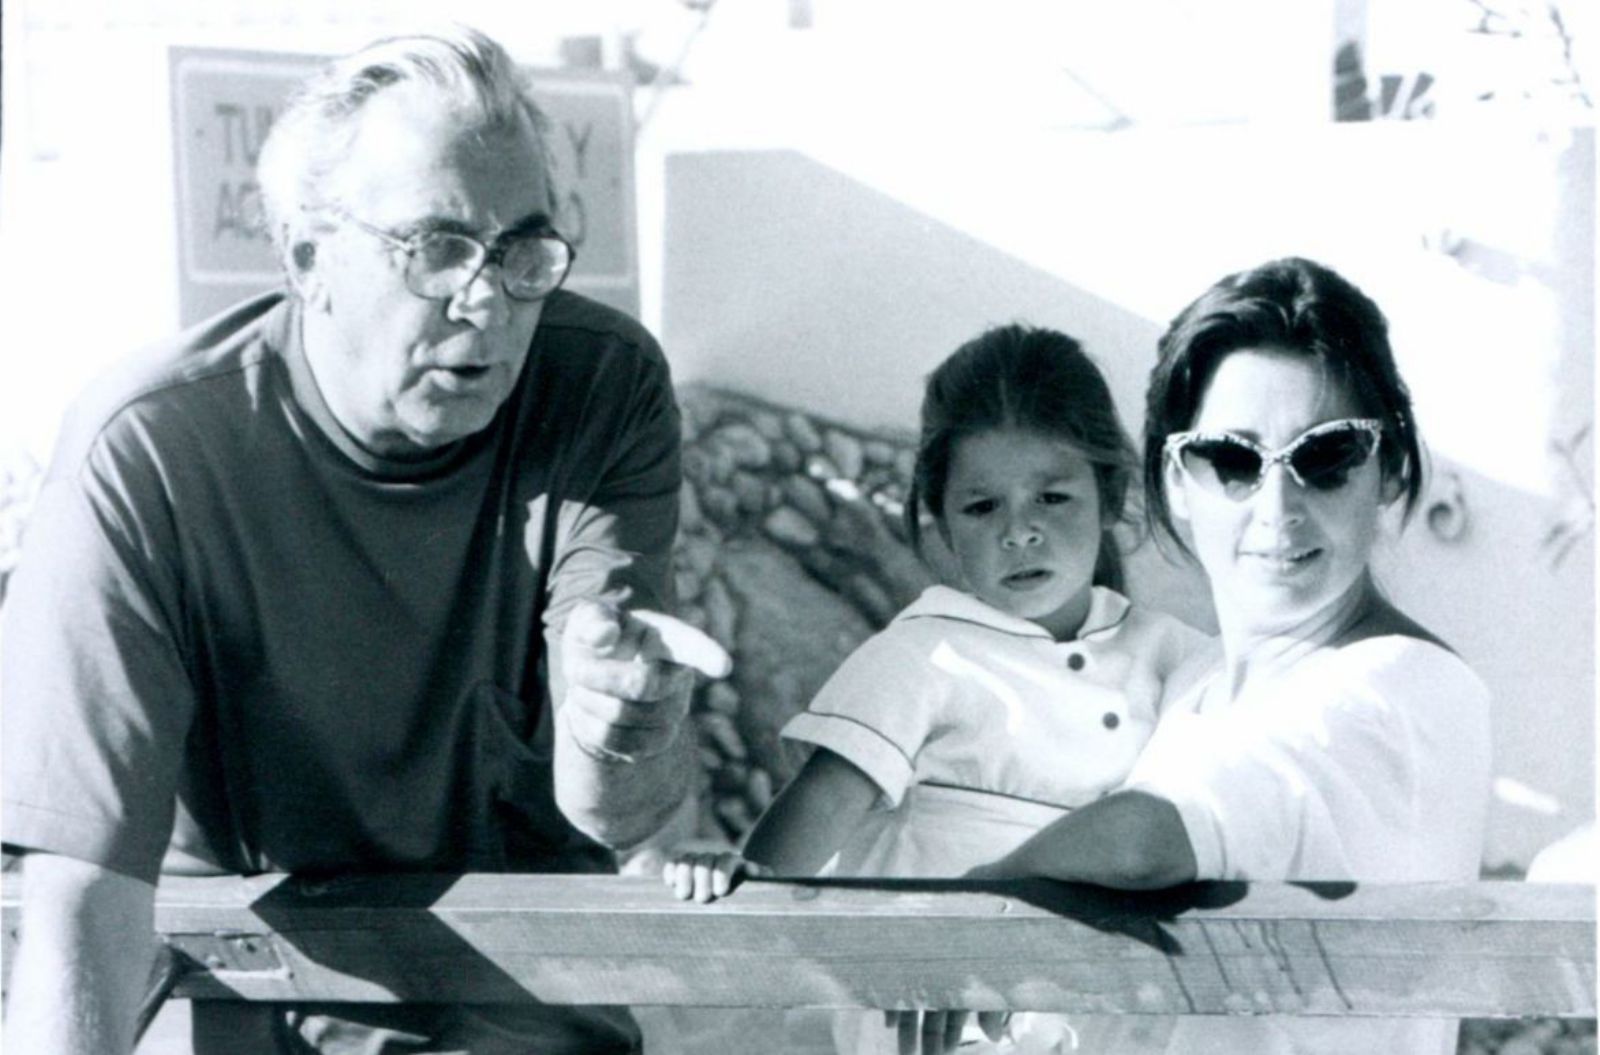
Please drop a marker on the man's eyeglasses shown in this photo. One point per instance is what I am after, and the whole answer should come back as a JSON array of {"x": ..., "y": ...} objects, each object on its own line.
[
  {"x": 1319, "y": 459},
  {"x": 440, "y": 264}
]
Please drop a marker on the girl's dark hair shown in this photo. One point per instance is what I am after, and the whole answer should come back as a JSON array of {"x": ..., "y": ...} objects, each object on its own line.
[
  {"x": 1294, "y": 306},
  {"x": 1035, "y": 380}
]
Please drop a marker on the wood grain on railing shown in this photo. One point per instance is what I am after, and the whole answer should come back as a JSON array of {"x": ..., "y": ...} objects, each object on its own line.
[{"x": 1438, "y": 949}]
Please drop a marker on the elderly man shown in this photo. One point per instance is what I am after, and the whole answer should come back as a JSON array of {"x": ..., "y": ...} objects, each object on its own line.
[{"x": 294, "y": 593}]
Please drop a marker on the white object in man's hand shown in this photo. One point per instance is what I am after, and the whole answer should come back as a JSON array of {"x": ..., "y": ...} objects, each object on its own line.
[{"x": 628, "y": 678}]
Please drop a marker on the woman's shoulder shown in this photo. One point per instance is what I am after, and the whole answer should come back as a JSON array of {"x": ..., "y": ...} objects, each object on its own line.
[
  {"x": 1412, "y": 691},
  {"x": 1383, "y": 620},
  {"x": 1386, "y": 636},
  {"x": 1394, "y": 654}
]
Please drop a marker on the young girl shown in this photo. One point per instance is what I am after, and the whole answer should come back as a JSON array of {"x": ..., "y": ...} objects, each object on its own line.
[{"x": 985, "y": 710}]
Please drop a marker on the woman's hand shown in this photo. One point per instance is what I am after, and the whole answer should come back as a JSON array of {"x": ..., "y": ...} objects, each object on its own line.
[
  {"x": 939, "y": 1032},
  {"x": 704, "y": 877},
  {"x": 1128, "y": 840}
]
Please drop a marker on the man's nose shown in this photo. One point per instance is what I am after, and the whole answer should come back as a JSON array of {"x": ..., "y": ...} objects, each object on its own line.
[{"x": 483, "y": 302}]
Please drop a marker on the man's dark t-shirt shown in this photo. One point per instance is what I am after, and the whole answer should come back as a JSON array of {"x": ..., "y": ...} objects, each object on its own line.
[{"x": 241, "y": 642}]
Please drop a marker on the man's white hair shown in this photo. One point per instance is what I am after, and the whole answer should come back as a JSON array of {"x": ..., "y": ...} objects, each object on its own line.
[{"x": 467, "y": 70}]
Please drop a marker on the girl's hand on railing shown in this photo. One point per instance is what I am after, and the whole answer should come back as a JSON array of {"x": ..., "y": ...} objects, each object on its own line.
[{"x": 705, "y": 877}]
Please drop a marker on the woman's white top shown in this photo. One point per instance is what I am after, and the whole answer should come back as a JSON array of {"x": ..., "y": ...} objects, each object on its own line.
[{"x": 1367, "y": 762}]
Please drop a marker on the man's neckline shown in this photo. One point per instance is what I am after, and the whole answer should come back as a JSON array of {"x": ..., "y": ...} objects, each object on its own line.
[{"x": 307, "y": 394}]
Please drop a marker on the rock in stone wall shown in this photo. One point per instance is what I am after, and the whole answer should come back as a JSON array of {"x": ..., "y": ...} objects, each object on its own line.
[
  {"x": 793, "y": 633},
  {"x": 792, "y": 552}
]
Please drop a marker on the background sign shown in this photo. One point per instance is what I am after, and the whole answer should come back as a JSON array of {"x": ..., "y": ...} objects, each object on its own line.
[{"x": 224, "y": 101}]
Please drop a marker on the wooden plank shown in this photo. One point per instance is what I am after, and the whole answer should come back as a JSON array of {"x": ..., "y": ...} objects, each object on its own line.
[{"x": 1470, "y": 949}]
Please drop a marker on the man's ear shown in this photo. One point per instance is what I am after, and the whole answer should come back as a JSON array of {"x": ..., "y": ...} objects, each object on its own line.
[{"x": 301, "y": 263}]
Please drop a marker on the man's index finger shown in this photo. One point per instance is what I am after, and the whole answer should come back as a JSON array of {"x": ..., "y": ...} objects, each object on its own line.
[{"x": 686, "y": 645}]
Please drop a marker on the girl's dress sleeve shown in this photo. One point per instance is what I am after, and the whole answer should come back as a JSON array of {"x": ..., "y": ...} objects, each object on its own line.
[{"x": 876, "y": 711}]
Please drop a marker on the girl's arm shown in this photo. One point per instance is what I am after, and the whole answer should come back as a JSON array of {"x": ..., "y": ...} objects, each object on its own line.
[
  {"x": 1129, "y": 840},
  {"x": 811, "y": 818},
  {"x": 797, "y": 835}
]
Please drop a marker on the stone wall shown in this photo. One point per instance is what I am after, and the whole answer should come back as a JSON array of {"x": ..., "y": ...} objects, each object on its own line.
[{"x": 792, "y": 552}]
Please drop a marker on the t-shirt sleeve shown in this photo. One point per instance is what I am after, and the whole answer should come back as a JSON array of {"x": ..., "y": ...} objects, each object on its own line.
[
  {"x": 876, "y": 711},
  {"x": 98, "y": 703},
  {"x": 1272, "y": 788},
  {"x": 618, "y": 504}
]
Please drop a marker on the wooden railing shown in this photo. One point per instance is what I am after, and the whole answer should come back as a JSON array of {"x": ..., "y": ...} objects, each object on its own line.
[{"x": 1469, "y": 949}]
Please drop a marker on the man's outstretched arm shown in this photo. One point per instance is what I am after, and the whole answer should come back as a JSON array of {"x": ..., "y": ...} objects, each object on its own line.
[{"x": 624, "y": 745}]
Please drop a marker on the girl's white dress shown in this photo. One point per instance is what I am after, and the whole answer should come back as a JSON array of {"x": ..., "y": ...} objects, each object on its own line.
[{"x": 979, "y": 728}]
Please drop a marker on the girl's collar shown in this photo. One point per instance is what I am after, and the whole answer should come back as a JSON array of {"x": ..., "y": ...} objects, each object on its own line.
[{"x": 1108, "y": 610}]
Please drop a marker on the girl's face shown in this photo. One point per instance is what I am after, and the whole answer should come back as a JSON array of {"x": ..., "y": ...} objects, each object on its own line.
[
  {"x": 1022, "y": 516},
  {"x": 1284, "y": 553}
]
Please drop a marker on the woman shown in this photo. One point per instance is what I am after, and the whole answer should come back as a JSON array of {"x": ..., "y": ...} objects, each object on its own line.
[{"x": 1328, "y": 736}]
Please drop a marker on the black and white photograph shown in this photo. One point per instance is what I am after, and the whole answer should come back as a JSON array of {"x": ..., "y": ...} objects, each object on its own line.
[{"x": 704, "y": 527}]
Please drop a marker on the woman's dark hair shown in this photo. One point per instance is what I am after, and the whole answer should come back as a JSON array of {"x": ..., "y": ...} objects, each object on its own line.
[
  {"x": 1034, "y": 380},
  {"x": 1294, "y": 306}
]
